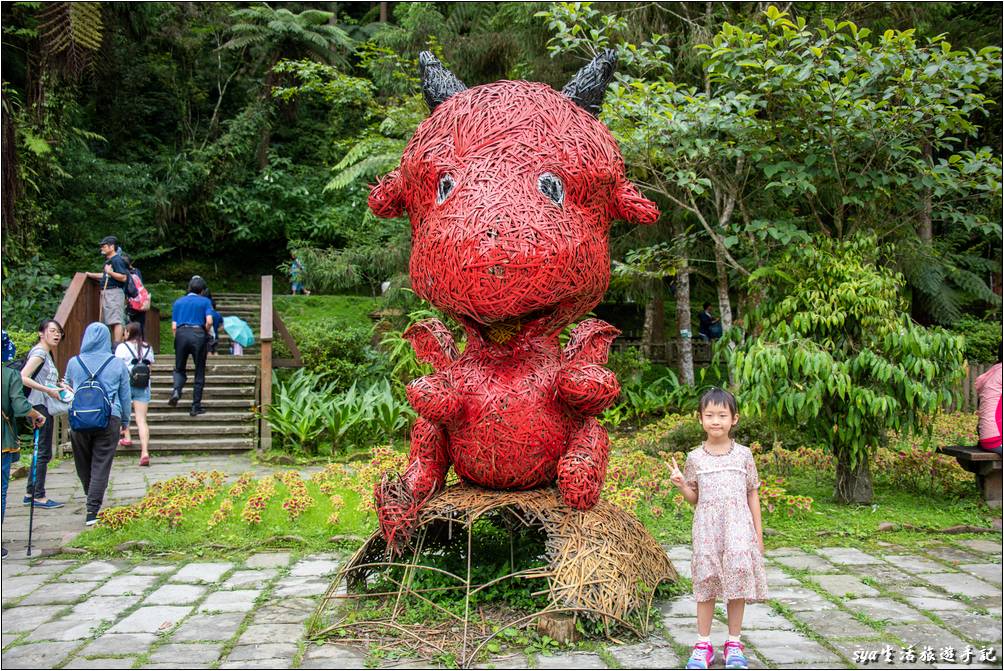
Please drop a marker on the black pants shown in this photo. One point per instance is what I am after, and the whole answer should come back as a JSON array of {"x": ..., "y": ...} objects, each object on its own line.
[
  {"x": 194, "y": 342},
  {"x": 93, "y": 453},
  {"x": 36, "y": 488},
  {"x": 139, "y": 318}
]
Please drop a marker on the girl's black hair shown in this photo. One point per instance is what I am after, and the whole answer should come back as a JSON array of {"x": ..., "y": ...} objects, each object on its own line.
[
  {"x": 44, "y": 324},
  {"x": 716, "y": 396}
]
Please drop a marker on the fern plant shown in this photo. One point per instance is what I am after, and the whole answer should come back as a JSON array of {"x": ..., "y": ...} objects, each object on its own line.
[{"x": 71, "y": 34}]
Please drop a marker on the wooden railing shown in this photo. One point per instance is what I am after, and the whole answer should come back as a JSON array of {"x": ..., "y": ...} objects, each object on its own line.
[
  {"x": 271, "y": 323},
  {"x": 667, "y": 352},
  {"x": 81, "y": 306}
]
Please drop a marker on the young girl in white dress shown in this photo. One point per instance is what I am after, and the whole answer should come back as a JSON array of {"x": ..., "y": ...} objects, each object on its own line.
[{"x": 721, "y": 480}]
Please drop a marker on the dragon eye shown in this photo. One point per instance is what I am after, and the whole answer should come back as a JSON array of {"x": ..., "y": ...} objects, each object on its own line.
[
  {"x": 446, "y": 185},
  {"x": 551, "y": 186}
]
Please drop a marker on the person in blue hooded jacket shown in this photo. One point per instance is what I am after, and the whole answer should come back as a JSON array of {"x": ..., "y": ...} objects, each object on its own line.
[{"x": 94, "y": 451}]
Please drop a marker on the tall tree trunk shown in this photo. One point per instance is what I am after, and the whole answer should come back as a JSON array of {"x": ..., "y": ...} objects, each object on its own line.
[
  {"x": 925, "y": 230},
  {"x": 11, "y": 183},
  {"x": 686, "y": 349},
  {"x": 854, "y": 484},
  {"x": 653, "y": 335},
  {"x": 383, "y": 12},
  {"x": 724, "y": 304}
]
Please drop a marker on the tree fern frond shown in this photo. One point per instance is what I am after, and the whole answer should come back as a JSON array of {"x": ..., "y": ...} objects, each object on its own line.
[
  {"x": 368, "y": 167},
  {"x": 71, "y": 33}
]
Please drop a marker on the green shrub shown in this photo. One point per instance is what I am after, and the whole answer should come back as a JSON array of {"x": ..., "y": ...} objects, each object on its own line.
[
  {"x": 339, "y": 355},
  {"x": 23, "y": 340},
  {"x": 309, "y": 415},
  {"x": 31, "y": 293},
  {"x": 983, "y": 339}
]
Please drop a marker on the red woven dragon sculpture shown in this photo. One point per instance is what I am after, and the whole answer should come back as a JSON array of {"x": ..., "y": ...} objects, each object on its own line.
[{"x": 510, "y": 188}]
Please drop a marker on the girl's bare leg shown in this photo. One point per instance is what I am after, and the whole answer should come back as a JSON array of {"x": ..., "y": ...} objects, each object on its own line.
[
  {"x": 735, "y": 609},
  {"x": 144, "y": 428},
  {"x": 705, "y": 612}
]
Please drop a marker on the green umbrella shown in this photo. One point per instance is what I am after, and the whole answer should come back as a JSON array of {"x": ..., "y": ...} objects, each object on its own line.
[{"x": 239, "y": 331}]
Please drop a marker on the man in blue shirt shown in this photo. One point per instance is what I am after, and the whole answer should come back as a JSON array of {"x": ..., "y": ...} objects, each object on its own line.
[
  {"x": 113, "y": 281},
  {"x": 191, "y": 321}
]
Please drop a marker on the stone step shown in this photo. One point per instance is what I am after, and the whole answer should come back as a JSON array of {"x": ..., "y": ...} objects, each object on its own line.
[
  {"x": 165, "y": 365},
  {"x": 173, "y": 415},
  {"x": 163, "y": 391},
  {"x": 159, "y": 404},
  {"x": 201, "y": 430},
  {"x": 217, "y": 379},
  {"x": 234, "y": 443}
]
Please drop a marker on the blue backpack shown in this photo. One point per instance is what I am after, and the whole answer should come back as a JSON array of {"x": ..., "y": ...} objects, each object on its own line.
[{"x": 90, "y": 408}]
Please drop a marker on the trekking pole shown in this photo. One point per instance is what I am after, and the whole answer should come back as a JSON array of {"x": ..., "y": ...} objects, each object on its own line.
[{"x": 31, "y": 510}]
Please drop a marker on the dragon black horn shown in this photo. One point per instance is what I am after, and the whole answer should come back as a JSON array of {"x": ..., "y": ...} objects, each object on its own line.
[
  {"x": 438, "y": 83},
  {"x": 587, "y": 87}
]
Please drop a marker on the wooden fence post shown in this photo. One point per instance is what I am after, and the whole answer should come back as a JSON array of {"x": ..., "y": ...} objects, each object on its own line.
[{"x": 265, "y": 373}]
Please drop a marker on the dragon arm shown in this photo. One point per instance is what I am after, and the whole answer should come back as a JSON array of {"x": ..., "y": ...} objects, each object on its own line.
[
  {"x": 433, "y": 343},
  {"x": 584, "y": 384}
]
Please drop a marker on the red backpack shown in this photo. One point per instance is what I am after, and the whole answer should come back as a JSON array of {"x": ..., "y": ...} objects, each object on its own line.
[{"x": 141, "y": 301}]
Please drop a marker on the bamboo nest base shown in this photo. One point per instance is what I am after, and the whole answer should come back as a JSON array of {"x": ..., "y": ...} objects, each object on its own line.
[{"x": 602, "y": 563}]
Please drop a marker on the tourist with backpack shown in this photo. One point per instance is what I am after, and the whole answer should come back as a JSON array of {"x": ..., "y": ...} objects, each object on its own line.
[
  {"x": 41, "y": 381},
  {"x": 15, "y": 406},
  {"x": 102, "y": 400},
  {"x": 137, "y": 297},
  {"x": 114, "y": 280},
  {"x": 137, "y": 355}
]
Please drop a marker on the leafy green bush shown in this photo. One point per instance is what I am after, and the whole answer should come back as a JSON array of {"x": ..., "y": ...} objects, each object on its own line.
[
  {"x": 339, "y": 355},
  {"x": 311, "y": 416},
  {"x": 983, "y": 339},
  {"x": 23, "y": 340},
  {"x": 31, "y": 293}
]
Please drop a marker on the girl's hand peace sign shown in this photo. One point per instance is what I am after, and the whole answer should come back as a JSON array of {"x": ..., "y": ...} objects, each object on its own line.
[{"x": 676, "y": 475}]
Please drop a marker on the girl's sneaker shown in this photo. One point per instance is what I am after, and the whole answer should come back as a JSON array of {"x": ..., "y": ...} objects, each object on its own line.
[
  {"x": 702, "y": 657},
  {"x": 735, "y": 658}
]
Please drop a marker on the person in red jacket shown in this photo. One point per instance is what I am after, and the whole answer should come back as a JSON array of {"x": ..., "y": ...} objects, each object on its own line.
[{"x": 988, "y": 387}]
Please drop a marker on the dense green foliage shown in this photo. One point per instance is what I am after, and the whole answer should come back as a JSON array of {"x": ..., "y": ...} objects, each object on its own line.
[{"x": 833, "y": 350}]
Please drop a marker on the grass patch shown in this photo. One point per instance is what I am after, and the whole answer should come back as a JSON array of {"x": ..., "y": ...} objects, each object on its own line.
[
  {"x": 192, "y": 537},
  {"x": 351, "y": 310}
]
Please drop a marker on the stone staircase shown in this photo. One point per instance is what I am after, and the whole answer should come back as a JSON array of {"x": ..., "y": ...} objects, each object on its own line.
[{"x": 229, "y": 396}]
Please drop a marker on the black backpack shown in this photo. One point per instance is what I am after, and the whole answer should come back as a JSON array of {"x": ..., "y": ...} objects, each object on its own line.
[
  {"x": 18, "y": 365},
  {"x": 130, "y": 288},
  {"x": 139, "y": 376}
]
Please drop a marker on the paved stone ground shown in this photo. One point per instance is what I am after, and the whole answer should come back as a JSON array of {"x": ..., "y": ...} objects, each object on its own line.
[{"x": 831, "y": 608}]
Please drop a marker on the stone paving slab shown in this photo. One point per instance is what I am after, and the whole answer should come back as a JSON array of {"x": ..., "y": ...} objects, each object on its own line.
[
  {"x": 789, "y": 647},
  {"x": 966, "y": 585},
  {"x": 989, "y": 572},
  {"x": 805, "y": 561},
  {"x": 841, "y": 585},
  {"x": 848, "y": 556},
  {"x": 106, "y": 663},
  {"x": 571, "y": 660},
  {"x": 652, "y": 654},
  {"x": 172, "y": 594},
  {"x": 187, "y": 655},
  {"x": 834, "y": 624},
  {"x": 233, "y": 601},
  {"x": 915, "y": 564},
  {"x": 202, "y": 627},
  {"x": 116, "y": 644},
  {"x": 953, "y": 555},
  {"x": 126, "y": 584},
  {"x": 208, "y": 572},
  {"x": 980, "y": 545},
  {"x": 37, "y": 655},
  {"x": 268, "y": 560},
  {"x": 151, "y": 619},
  {"x": 884, "y": 609},
  {"x": 256, "y": 579}
]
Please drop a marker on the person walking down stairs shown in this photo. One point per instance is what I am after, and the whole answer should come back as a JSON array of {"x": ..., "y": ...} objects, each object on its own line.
[{"x": 191, "y": 322}]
